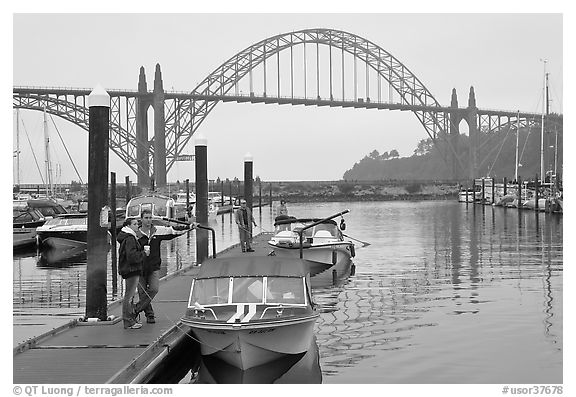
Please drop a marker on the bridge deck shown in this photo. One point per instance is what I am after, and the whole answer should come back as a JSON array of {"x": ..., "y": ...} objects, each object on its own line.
[{"x": 109, "y": 353}]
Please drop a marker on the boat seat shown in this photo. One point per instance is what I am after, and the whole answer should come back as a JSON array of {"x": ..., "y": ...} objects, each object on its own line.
[
  {"x": 323, "y": 236},
  {"x": 284, "y": 236}
]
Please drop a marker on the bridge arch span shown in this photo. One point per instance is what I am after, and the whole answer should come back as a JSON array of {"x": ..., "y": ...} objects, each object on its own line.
[{"x": 223, "y": 79}]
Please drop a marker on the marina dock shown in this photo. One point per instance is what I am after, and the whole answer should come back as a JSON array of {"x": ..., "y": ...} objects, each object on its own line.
[{"x": 59, "y": 350}]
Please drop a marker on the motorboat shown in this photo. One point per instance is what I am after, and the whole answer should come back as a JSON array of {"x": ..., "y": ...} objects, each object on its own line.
[
  {"x": 66, "y": 231},
  {"x": 159, "y": 205},
  {"x": 319, "y": 241},
  {"x": 181, "y": 206},
  {"x": 182, "y": 196},
  {"x": 249, "y": 311},
  {"x": 47, "y": 207},
  {"x": 25, "y": 221},
  {"x": 212, "y": 212}
]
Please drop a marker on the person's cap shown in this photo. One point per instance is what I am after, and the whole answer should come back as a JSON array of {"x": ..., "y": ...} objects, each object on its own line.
[{"x": 242, "y": 201}]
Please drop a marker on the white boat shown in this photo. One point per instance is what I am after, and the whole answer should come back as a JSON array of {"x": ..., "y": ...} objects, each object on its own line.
[
  {"x": 159, "y": 205},
  {"x": 249, "y": 311},
  {"x": 63, "y": 232},
  {"x": 322, "y": 243}
]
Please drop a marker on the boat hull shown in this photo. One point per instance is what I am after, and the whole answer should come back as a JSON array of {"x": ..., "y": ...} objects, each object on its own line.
[
  {"x": 23, "y": 238},
  {"x": 337, "y": 255},
  {"x": 246, "y": 346},
  {"x": 62, "y": 239}
]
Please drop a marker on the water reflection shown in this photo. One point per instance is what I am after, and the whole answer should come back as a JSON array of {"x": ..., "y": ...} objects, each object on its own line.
[
  {"x": 445, "y": 293},
  {"x": 297, "y": 368}
]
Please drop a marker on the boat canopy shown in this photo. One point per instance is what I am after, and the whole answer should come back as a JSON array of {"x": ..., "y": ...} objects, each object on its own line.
[
  {"x": 284, "y": 220},
  {"x": 159, "y": 205},
  {"x": 253, "y": 267}
]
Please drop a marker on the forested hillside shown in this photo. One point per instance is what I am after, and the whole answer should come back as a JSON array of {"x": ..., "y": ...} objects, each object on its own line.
[{"x": 495, "y": 158}]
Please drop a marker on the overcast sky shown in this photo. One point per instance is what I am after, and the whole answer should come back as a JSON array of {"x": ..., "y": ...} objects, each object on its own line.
[{"x": 499, "y": 54}]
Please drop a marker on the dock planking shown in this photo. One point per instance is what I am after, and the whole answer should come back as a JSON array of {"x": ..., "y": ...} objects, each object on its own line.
[{"x": 100, "y": 354}]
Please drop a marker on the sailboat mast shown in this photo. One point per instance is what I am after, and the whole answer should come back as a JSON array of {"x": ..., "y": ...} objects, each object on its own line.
[
  {"x": 49, "y": 188},
  {"x": 544, "y": 108},
  {"x": 18, "y": 147},
  {"x": 517, "y": 138},
  {"x": 555, "y": 152}
]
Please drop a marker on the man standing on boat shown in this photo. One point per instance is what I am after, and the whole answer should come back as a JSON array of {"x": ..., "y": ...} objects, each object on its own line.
[
  {"x": 151, "y": 236},
  {"x": 244, "y": 220}
]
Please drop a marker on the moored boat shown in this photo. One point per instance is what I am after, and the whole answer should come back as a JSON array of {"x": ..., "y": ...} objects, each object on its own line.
[
  {"x": 322, "y": 243},
  {"x": 249, "y": 311},
  {"x": 159, "y": 205},
  {"x": 47, "y": 207},
  {"x": 66, "y": 231},
  {"x": 25, "y": 222}
]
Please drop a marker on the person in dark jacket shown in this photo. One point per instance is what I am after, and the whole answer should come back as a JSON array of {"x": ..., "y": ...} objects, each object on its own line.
[
  {"x": 130, "y": 259},
  {"x": 150, "y": 237},
  {"x": 244, "y": 220}
]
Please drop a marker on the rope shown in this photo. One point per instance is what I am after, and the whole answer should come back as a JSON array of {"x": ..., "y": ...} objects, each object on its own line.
[
  {"x": 67, "y": 152},
  {"x": 499, "y": 150},
  {"x": 33, "y": 154}
]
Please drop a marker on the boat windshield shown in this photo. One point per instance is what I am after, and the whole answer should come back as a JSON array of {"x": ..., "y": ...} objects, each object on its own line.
[
  {"x": 156, "y": 210},
  {"x": 66, "y": 221},
  {"x": 211, "y": 291},
  {"x": 297, "y": 226},
  {"x": 269, "y": 290}
]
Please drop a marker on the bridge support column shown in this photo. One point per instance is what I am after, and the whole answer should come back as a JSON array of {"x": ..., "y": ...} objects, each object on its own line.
[
  {"x": 159, "y": 130},
  {"x": 142, "y": 132},
  {"x": 454, "y": 134},
  {"x": 471, "y": 118}
]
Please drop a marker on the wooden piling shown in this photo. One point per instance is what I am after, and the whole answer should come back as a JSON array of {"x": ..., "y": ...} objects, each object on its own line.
[
  {"x": 483, "y": 192},
  {"x": 493, "y": 190},
  {"x": 113, "y": 233},
  {"x": 505, "y": 186},
  {"x": 188, "y": 212},
  {"x": 97, "y": 239},
  {"x": 201, "y": 198},
  {"x": 260, "y": 194},
  {"x": 536, "y": 193},
  {"x": 128, "y": 191},
  {"x": 230, "y": 193},
  {"x": 222, "y": 193},
  {"x": 519, "y": 192},
  {"x": 248, "y": 172}
]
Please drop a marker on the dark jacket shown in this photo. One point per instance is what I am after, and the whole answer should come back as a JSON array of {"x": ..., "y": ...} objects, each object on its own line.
[
  {"x": 157, "y": 235},
  {"x": 130, "y": 254},
  {"x": 240, "y": 221}
]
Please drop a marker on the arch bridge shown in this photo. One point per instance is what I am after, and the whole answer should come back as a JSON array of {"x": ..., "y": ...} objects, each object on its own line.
[{"x": 313, "y": 67}]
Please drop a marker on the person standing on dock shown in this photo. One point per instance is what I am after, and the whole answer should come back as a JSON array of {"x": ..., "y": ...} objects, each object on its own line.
[
  {"x": 150, "y": 237},
  {"x": 130, "y": 259},
  {"x": 244, "y": 220},
  {"x": 281, "y": 209}
]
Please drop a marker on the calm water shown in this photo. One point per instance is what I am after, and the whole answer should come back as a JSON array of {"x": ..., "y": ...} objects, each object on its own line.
[{"x": 444, "y": 294}]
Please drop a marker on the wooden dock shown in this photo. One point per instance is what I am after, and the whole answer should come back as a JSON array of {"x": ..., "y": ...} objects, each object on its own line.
[{"x": 97, "y": 354}]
